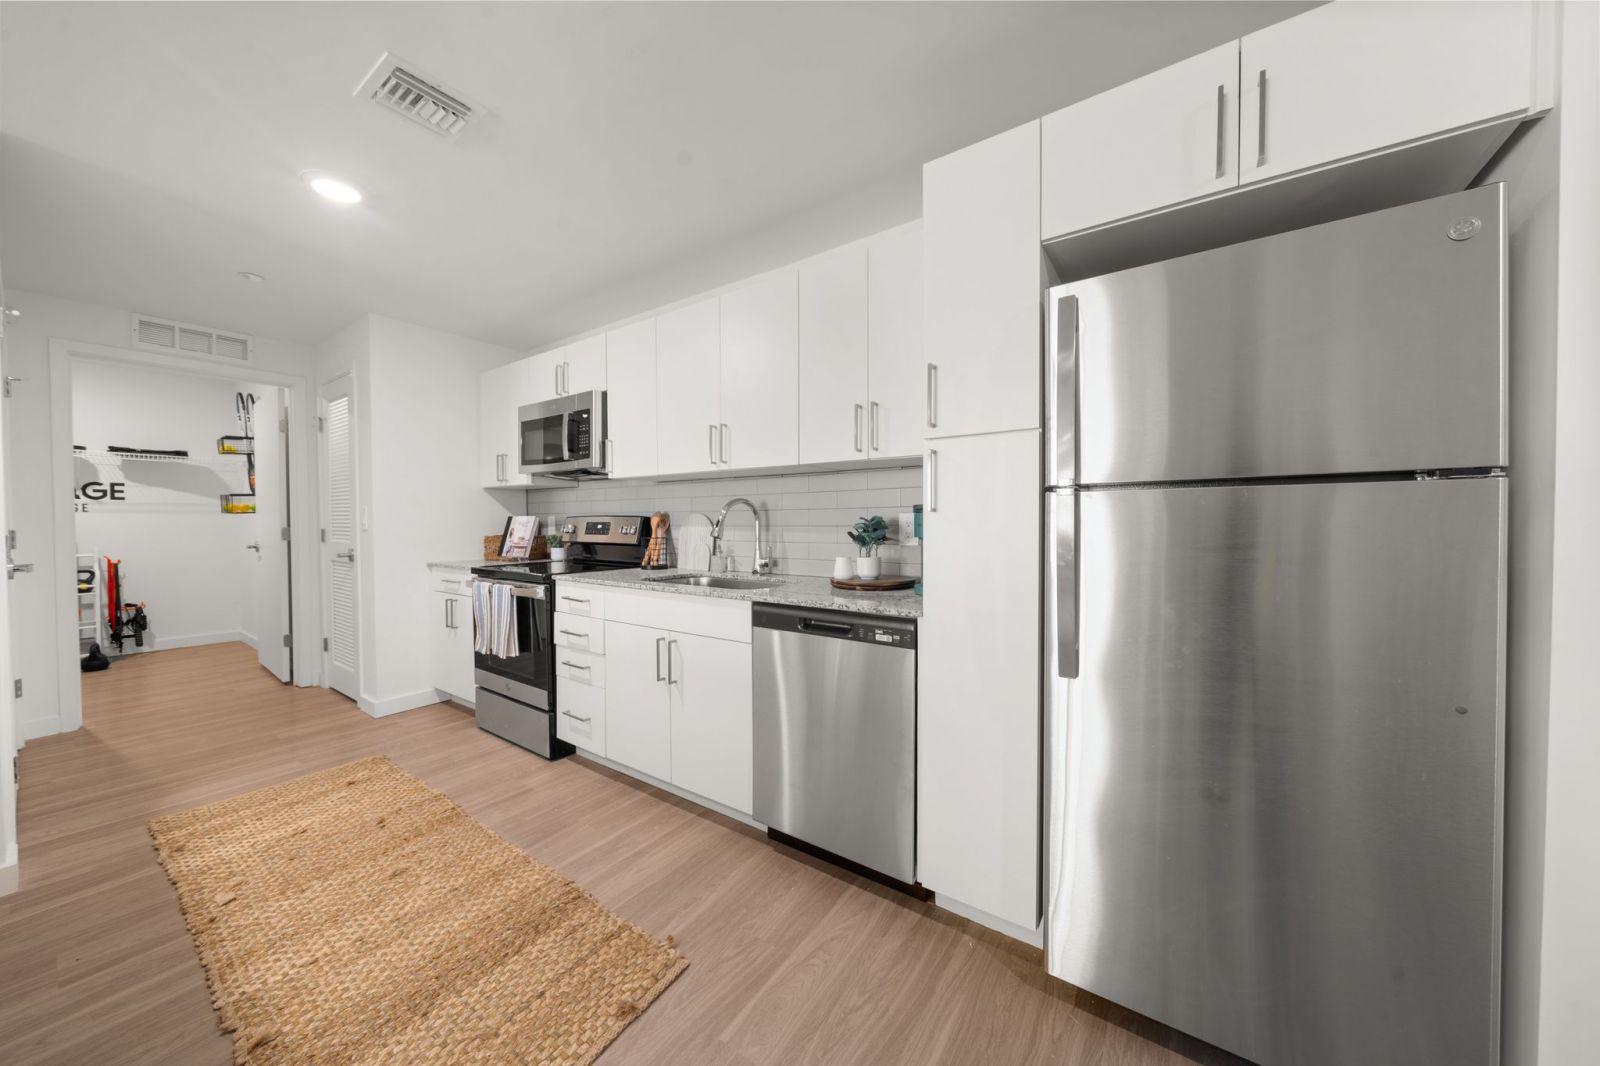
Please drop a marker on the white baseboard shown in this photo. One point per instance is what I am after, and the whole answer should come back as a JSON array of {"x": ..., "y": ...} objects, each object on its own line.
[
  {"x": 9, "y": 871},
  {"x": 667, "y": 786},
  {"x": 1034, "y": 936},
  {"x": 192, "y": 640},
  {"x": 395, "y": 704},
  {"x": 34, "y": 728}
]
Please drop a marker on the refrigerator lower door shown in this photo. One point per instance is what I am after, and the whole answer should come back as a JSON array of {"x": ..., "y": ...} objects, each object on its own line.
[{"x": 1276, "y": 779}]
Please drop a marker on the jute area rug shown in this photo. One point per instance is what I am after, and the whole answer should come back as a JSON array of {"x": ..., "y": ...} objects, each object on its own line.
[{"x": 357, "y": 916}]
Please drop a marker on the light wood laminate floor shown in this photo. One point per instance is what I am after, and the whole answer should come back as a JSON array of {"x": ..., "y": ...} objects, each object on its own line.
[{"x": 791, "y": 960}]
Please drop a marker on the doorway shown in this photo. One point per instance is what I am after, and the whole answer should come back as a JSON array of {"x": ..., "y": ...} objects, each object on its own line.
[
  {"x": 180, "y": 513},
  {"x": 340, "y": 574}
]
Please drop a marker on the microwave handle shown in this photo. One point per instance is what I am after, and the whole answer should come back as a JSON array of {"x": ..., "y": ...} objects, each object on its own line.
[{"x": 566, "y": 452}]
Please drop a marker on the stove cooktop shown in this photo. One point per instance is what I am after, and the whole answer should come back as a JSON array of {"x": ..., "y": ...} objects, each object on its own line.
[{"x": 544, "y": 569}]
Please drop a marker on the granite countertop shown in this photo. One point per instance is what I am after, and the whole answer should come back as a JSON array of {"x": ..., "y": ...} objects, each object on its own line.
[
  {"x": 467, "y": 566},
  {"x": 790, "y": 591}
]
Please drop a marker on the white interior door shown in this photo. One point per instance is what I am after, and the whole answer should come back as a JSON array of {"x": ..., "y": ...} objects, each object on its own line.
[
  {"x": 339, "y": 576},
  {"x": 270, "y": 591},
  {"x": 8, "y": 725}
]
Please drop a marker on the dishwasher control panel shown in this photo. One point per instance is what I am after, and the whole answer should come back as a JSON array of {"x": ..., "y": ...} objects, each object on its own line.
[{"x": 881, "y": 630}]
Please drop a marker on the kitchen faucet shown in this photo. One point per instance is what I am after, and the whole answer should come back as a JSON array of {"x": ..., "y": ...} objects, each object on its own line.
[{"x": 762, "y": 564}]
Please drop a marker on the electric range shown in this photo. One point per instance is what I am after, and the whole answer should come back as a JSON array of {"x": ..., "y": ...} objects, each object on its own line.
[{"x": 517, "y": 697}]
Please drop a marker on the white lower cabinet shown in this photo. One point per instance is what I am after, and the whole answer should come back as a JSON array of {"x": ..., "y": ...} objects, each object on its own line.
[
  {"x": 450, "y": 645},
  {"x": 712, "y": 718},
  {"x": 978, "y": 708},
  {"x": 581, "y": 716},
  {"x": 678, "y": 704}
]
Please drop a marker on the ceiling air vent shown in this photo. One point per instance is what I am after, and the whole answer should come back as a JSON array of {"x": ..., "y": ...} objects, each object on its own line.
[
  {"x": 395, "y": 84},
  {"x": 185, "y": 338}
]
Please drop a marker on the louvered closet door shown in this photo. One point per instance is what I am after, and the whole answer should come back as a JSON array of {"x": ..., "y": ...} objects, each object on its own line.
[{"x": 339, "y": 580}]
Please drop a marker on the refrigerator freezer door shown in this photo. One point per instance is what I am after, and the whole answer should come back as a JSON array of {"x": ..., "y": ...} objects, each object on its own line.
[
  {"x": 1276, "y": 820},
  {"x": 1367, "y": 345}
]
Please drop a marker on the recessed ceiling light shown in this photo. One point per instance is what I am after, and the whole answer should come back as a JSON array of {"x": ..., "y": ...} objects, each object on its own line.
[
  {"x": 340, "y": 192},
  {"x": 250, "y": 275}
]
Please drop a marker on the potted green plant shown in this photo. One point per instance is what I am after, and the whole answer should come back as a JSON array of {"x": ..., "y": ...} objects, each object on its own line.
[
  {"x": 558, "y": 551},
  {"x": 867, "y": 534}
]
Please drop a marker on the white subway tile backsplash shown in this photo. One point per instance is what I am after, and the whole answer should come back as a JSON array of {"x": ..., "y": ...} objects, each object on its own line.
[{"x": 804, "y": 516}]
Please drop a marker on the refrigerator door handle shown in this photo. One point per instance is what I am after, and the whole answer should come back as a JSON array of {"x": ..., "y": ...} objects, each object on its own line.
[
  {"x": 1062, "y": 396},
  {"x": 1064, "y": 520}
]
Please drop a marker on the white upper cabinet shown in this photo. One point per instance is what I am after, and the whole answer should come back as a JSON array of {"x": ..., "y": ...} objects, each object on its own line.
[
  {"x": 544, "y": 375},
  {"x": 1167, "y": 137},
  {"x": 583, "y": 365},
  {"x": 834, "y": 386},
  {"x": 688, "y": 388},
  {"x": 981, "y": 287},
  {"x": 1351, "y": 78},
  {"x": 895, "y": 362},
  {"x": 760, "y": 423},
  {"x": 500, "y": 392},
  {"x": 631, "y": 399}
]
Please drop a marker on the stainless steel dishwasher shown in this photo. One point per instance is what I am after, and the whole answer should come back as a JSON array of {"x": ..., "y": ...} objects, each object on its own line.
[{"x": 836, "y": 734}]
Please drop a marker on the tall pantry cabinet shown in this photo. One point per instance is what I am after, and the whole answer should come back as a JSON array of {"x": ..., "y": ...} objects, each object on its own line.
[{"x": 978, "y": 705}]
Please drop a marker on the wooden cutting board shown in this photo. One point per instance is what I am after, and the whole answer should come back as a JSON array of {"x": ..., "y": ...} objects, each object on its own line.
[{"x": 873, "y": 584}]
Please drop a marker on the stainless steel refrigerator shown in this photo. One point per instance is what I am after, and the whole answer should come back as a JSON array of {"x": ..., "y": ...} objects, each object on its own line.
[{"x": 1276, "y": 588}]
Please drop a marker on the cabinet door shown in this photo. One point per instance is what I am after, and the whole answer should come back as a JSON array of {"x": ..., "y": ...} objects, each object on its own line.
[
  {"x": 761, "y": 374},
  {"x": 1156, "y": 141},
  {"x": 978, "y": 710},
  {"x": 583, "y": 365},
  {"x": 500, "y": 392},
  {"x": 450, "y": 644},
  {"x": 1346, "y": 79},
  {"x": 631, "y": 399},
  {"x": 544, "y": 375},
  {"x": 638, "y": 707},
  {"x": 981, "y": 269},
  {"x": 688, "y": 387},
  {"x": 833, "y": 357},
  {"x": 712, "y": 718},
  {"x": 895, "y": 360}
]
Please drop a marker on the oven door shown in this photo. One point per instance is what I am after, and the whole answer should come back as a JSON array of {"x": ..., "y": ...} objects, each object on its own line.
[
  {"x": 525, "y": 676},
  {"x": 566, "y": 435}
]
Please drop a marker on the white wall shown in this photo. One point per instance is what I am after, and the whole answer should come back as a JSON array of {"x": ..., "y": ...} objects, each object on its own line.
[
  {"x": 44, "y": 611},
  {"x": 180, "y": 553},
  {"x": 416, "y": 442}
]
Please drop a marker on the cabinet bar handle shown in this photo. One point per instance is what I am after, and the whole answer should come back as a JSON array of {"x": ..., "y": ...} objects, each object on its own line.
[
  {"x": 875, "y": 444},
  {"x": 1222, "y": 131},
  {"x": 723, "y": 436},
  {"x": 711, "y": 440},
  {"x": 858, "y": 427},
  {"x": 576, "y": 717},
  {"x": 1261, "y": 119},
  {"x": 575, "y": 666},
  {"x": 570, "y": 633},
  {"x": 933, "y": 396},
  {"x": 670, "y": 645},
  {"x": 572, "y": 599},
  {"x": 447, "y": 603},
  {"x": 933, "y": 481},
  {"x": 659, "y": 641}
]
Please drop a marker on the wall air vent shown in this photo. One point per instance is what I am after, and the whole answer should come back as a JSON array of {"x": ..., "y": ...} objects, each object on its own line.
[
  {"x": 185, "y": 338},
  {"x": 395, "y": 84}
]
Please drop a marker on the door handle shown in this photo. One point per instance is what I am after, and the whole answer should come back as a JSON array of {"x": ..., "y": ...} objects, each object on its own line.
[
  {"x": 255, "y": 547},
  {"x": 933, "y": 481},
  {"x": 723, "y": 446},
  {"x": 1261, "y": 118},
  {"x": 711, "y": 441},
  {"x": 659, "y": 642},
  {"x": 348, "y": 555},
  {"x": 933, "y": 396},
  {"x": 670, "y": 679},
  {"x": 1222, "y": 131},
  {"x": 875, "y": 444},
  {"x": 1064, "y": 519},
  {"x": 858, "y": 427},
  {"x": 13, "y": 569}
]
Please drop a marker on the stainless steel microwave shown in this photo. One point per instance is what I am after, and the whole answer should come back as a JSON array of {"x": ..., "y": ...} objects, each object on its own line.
[{"x": 564, "y": 437}]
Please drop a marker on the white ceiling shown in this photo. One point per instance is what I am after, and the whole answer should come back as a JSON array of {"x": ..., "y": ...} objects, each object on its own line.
[{"x": 634, "y": 154}]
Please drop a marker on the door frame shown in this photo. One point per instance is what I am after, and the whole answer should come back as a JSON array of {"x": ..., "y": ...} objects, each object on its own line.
[{"x": 306, "y": 617}]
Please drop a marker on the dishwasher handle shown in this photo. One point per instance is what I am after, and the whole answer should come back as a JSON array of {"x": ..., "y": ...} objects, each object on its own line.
[{"x": 832, "y": 629}]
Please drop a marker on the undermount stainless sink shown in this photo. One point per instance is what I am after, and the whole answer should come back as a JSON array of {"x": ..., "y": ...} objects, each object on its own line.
[{"x": 717, "y": 581}]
